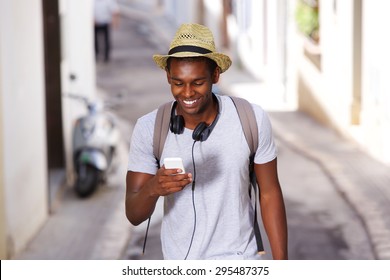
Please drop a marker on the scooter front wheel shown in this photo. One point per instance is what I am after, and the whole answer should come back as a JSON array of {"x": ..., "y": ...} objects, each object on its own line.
[{"x": 87, "y": 180}]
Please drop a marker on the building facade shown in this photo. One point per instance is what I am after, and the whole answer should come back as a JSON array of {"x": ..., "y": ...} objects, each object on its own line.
[
  {"x": 42, "y": 44},
  {"x": 341, "y": 78}
]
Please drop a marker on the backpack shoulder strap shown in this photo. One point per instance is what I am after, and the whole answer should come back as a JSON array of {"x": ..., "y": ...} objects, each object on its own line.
[
  {"x": 161, "y": 128},
  {"x": 248, "y": 122},
  {"x": 250, "y": 128}
]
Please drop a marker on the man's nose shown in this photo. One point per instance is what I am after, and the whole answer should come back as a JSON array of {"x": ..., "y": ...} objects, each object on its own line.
[{"x": 188, "y": 91}]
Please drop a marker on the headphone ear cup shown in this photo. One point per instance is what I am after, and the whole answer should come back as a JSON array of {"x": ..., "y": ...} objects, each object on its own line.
[
  {"x": 177, "y": 124},
  {"x": 199, "y": 132}
]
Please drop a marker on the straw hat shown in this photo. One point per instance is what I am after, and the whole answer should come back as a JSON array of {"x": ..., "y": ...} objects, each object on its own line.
[{"x": 192, "y": 40}]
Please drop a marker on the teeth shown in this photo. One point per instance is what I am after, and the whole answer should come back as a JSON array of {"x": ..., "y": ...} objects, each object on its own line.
[{"x": 189, "y": 102}]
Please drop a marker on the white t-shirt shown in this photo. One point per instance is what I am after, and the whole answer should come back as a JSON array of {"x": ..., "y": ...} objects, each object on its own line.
[
  {"x": 103, "y": 10},
  {"x": 224, "y": 213}
]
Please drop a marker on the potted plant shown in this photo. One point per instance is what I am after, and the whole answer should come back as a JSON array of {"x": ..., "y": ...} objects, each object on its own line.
[{"x": 306, "y": 16}]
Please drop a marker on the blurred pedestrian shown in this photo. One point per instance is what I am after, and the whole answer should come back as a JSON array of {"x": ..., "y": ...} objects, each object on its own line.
[
  {"x": 213, "y": 219},
  {"x": 106, "y": 15}
]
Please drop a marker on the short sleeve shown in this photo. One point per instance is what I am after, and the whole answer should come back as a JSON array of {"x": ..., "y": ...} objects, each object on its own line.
[
  {"x": 141, "y": 158},
  {"x": 114, "y": 6},
  {"x": 266, "y": 151}
]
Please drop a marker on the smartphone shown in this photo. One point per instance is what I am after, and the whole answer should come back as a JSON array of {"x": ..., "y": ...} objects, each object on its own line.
[{"x": 174, "y": 163}]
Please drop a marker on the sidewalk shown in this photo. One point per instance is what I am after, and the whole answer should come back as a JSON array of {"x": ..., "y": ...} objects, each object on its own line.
[{"x": 97, "y": 228}]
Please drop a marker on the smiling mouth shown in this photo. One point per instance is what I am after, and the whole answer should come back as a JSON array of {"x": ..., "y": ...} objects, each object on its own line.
[{"x": 190, "y": 102}]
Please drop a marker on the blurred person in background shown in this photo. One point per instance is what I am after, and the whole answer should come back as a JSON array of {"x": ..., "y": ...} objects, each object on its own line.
[
  {"x": 106, "y": 15},
  {"x": 214, "y": 219}
]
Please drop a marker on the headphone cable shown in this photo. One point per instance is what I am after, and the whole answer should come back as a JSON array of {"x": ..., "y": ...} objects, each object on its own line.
[
  {"x": 193, "y": 200},
  {"x": 146, "y": 236}
]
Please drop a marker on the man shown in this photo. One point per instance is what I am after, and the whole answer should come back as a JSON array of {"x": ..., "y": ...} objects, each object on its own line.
[
  {"x": 207, "y": 210},
  {"x": 106, "y": 14}
]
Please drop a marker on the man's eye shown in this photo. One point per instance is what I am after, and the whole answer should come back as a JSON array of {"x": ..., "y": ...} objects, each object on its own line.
[
  {"x": 198, "y": 83},
  {"x": 178, "y": 84}
]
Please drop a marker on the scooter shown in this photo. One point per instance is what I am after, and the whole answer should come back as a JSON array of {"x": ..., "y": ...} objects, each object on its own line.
[{"x": 95, "y": 138}]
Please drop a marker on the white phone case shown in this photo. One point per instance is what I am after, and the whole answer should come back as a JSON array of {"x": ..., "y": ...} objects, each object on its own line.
[{"x": 174, "y": 163}]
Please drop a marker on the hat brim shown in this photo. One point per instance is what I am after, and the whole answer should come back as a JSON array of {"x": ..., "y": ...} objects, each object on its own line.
[{"x": 222, "y": 60}]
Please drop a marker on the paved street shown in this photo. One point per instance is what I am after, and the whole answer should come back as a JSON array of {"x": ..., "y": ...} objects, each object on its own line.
[{"x": 337, "y": 197}]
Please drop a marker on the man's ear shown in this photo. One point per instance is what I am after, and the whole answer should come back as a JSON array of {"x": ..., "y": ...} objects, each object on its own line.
[
  {"x": 216, "y": 74},
  {"x": 168, "y": 76}
]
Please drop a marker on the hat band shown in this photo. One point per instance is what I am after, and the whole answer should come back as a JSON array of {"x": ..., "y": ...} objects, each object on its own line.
[{"x": 188, "y": 48}]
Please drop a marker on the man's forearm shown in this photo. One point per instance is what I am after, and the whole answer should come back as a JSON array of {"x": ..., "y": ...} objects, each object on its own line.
[
  {"x": 275, "y": 224},
  {"x": 139, "y": 207},
  {"x": 140, "y": 201}
]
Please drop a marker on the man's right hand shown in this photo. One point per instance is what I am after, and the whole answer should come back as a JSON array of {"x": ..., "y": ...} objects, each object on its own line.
[
  {"x": 143, "y": 191},
  {"x": 168, "y": 181}
]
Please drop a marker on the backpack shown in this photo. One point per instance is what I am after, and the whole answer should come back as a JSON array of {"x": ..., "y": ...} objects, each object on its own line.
[{"x": 249, "y": 126}]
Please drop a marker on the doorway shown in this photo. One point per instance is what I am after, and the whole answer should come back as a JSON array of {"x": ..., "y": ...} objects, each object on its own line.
[{"x": 54, "y": 122}]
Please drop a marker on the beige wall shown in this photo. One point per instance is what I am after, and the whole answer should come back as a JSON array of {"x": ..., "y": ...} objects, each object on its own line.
[
  {"x": 351, "y": 91},
  {"x": 3, "y": 223},
  {"x": 78, "y": 58},
  {"x": 23, "y": 161},
  {"x": 24, "y": 166},
  {"x": 326, "y": 93},
  {"x": 376, "y": 84}
]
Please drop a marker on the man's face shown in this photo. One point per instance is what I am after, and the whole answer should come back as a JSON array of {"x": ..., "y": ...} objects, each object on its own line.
[{"x": 191, "y": 83}]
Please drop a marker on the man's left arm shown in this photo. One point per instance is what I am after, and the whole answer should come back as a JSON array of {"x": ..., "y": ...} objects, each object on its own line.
[
  {"x": 115, "y": 12},
  {"x": 272, "y": 208}
]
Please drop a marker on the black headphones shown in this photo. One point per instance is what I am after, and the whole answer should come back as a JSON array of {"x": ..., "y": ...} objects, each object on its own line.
[{"x": 201, "y": 132}]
